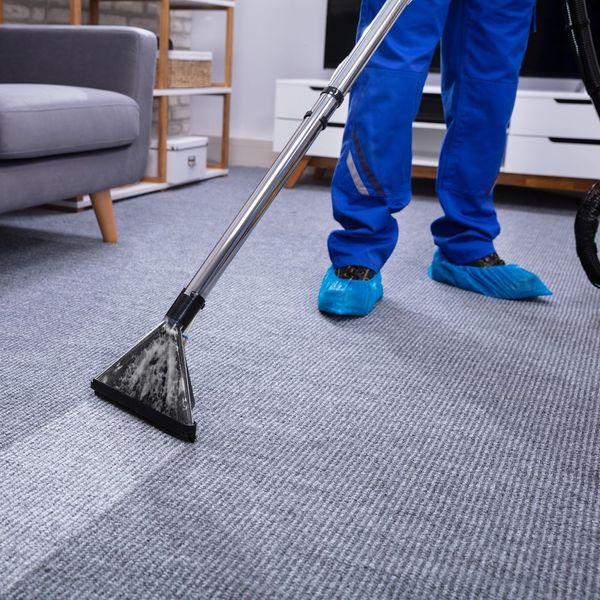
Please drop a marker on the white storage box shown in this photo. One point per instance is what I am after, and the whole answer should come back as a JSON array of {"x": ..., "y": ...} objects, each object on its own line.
[{"x": 186, "y": 159}]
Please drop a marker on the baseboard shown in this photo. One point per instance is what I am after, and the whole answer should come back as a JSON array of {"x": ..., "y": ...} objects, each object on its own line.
[{"x": 248, "y": 152}]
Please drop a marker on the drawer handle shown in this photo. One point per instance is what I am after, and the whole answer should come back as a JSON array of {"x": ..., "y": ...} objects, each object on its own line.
[
  {"x": 316, "y": 88},
  {"x": 191, "y": 161},
  {"x": 566, "y": 101},
  {"x": 557, "y": 140}
]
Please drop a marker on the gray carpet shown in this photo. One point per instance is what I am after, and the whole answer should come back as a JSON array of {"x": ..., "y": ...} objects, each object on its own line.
[{"x": 446, "y": 446}]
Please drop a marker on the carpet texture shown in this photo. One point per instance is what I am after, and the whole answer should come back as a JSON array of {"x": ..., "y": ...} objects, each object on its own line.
[{"x": 446, "y": 446}]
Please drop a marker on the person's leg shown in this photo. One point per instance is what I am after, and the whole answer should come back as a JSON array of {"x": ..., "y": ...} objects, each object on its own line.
[
  {"x": 372, "y": 179},
  {"x": 483, "y": 45},
  {"x": 373, "y": 175}
]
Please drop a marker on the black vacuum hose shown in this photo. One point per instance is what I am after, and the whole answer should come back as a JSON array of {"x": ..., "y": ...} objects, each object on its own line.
[
  {"x": 588, "y": 215},
  {"x": 580, "y": 32},
  {"x": 586, "y": 227}
]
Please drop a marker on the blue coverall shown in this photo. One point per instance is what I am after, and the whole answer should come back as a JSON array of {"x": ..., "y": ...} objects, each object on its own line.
[{"x": 482, "y": 46}]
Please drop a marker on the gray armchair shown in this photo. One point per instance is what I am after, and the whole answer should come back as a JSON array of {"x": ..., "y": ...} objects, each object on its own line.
[{"x": 75, "y": 114}]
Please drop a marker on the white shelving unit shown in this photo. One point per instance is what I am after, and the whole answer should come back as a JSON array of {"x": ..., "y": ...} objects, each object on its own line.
[
  {"x": 221, "y": 89},
  {"x": 553, "y": 138}
]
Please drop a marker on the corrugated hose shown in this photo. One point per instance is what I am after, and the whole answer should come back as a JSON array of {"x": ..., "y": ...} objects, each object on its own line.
[{"x": 588, "y": 214}]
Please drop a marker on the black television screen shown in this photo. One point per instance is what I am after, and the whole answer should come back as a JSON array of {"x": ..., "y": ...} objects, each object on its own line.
[
  {"x": 549, "y": 53},
  {"x": 340, "y": 30}
]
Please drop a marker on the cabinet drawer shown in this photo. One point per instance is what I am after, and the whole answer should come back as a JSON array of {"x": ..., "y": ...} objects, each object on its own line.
[
  {"x": 328, "y": 144},
  {"x": 426, "y": 142},
  {"x": 542, "y": 156},
  {"x": 550, "y": 117},
  {"x": 293, "y": 100}
]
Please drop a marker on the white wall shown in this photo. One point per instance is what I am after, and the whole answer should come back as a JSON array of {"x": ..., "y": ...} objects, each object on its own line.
[{"x": 273, "y": 39}]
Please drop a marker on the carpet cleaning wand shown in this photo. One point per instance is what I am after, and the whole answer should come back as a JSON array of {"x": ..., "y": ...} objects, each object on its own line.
[{"x": 152, "y": 379}]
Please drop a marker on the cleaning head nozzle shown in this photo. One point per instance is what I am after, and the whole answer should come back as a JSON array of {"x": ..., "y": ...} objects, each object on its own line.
[{"x": 152, "y": 381}]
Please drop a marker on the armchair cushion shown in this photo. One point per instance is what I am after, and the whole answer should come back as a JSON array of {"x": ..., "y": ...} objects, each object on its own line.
[{"x": 39, "y": 120}]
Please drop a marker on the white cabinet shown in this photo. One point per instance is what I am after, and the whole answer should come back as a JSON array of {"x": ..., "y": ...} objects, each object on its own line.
[
  {"x": 554, "y": 130},
  {"x": 552, "y": 157},
  {"x": 293, "y": 98},
  {"x": 328, "y": 144},
  {"x": 540, "y": 116}
]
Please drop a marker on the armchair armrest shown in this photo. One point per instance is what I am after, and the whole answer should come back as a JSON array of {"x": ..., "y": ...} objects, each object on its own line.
[{"x": 120, "y": 59}]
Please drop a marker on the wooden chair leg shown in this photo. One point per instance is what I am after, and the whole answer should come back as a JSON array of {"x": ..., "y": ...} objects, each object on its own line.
[{"x": 102, "y": 205}]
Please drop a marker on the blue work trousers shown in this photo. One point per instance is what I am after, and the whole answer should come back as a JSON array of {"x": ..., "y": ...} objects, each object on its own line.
[{"x": 482, "y": 46}]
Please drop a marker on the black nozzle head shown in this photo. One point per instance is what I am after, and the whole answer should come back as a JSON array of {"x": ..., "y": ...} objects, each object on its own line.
[{"x": 152, "y": 381}]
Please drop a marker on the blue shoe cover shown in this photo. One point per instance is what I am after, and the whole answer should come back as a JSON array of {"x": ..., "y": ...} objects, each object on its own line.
[
  {"x": 509, "y": 282},
  {"x": 349, "y": 297}
]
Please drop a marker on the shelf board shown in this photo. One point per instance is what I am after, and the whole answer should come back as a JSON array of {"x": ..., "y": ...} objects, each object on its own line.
[
  {"x": 426, "y": 125},
  {"x": 125, "y": 191},
  {"x": 187, "y": 4},
  {"x": 422, "y": 161},
  {"x": 203, "y": 91},
  {"x": 212, "y": 172},
  {"x": 191, "y": 4},
  {"x": 147, "y": 187},
  {"x": 137, "y": 189}
]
